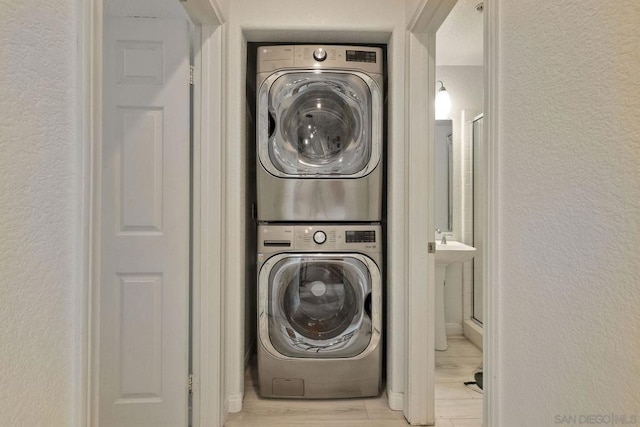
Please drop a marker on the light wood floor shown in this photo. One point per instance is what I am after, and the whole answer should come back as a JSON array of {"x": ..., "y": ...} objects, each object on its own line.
[{"x": 456, "y": 405}]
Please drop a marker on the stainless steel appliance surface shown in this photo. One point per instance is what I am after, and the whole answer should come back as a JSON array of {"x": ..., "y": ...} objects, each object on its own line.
[
  {"x": 319, "y": 310},
  {"x": 319, "y": 133}
]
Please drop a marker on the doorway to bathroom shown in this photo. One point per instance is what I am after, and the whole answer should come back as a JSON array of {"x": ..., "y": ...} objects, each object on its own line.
[{"x": 459, "y": 209}]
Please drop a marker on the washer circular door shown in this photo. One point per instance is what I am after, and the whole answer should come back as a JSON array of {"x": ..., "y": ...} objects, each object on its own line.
[
  {"x": 319, "y": 124},
  {"x": 320, "y": 305}
]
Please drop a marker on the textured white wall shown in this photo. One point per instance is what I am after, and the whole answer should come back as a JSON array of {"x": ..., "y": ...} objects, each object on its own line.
[
  {"x": 465, "y": 86},
  {"x": 39, "y": 218},
  {"x": 568, "y": 210}
]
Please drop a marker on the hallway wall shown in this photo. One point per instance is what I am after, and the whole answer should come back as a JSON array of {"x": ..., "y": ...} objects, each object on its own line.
[
  {"x": 39, "y": 213},
  {"x": 568, "y": 211}
]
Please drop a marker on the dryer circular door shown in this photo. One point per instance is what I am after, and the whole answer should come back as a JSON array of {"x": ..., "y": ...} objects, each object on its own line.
[
  {"x": 320, "y": 306},
  {"x": 319, "y": 124}
]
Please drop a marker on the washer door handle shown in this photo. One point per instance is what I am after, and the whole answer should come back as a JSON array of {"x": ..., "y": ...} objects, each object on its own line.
[{"x": 367, "y": 305}]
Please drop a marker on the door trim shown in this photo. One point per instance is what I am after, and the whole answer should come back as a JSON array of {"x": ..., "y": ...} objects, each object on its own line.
[
  {"x": 89, "y": 135},
  {"x": 209, "y": 405},
  {"x": 420, "y": 319},
  {"x": 420, "y": 205},
  {"x": 208, "y": 136},
  {"x": 491, "y": 139}
]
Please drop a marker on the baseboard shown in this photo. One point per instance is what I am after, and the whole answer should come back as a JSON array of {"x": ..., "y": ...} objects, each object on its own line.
[
  {"x": 235, "y": 403},
  {"x": 453, "y": 329},
  {"x": 396, "y": 400},
  {"x": 235, "y": 400},
  {"x": 473, "y": 332}
]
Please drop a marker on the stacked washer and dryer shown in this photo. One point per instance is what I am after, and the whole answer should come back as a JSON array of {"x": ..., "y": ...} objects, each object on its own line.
[{"x": 319, "y": 192}]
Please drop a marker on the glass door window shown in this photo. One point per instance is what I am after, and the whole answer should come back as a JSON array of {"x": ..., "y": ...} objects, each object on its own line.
[
  {"x": 319, "y": 307},
  {"x": 321, "y": 124}
]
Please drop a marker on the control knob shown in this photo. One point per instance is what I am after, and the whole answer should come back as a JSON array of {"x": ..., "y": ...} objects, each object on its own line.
[
  {"x": 319, "y": 237},
  {"x": 319, "y": 54}
]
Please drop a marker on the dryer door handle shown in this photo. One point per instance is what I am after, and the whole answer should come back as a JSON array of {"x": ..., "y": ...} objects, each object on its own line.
[{"x": 272, "y": 124}]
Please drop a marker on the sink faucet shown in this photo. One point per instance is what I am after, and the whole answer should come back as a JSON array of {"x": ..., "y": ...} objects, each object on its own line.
[{"x": 444, "y": 238}]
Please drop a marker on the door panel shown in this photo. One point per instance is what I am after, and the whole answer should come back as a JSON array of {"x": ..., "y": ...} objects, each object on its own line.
[
  {"x": 140, "y": 168},
  {"x": 144, "y": 281}
]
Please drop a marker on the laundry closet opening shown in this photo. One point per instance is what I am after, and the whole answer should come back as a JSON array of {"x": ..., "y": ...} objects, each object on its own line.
[{"x": 358, "y": 212}]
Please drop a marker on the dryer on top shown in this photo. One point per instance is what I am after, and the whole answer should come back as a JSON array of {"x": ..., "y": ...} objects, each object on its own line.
[{"x": 319, "y": 133}]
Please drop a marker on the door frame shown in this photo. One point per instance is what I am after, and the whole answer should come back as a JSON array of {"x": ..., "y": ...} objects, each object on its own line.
[
  {"x": 421, "y": 51},
  {"x": 420, "y": 299},
  {"x": 490, "y": 277},
  {"x": 208, "y": 214}
]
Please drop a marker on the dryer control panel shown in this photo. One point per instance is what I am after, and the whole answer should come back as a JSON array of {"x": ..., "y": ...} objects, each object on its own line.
[
  {"x": 320, "y": 238},
  {"x": 363, "y": 58}
]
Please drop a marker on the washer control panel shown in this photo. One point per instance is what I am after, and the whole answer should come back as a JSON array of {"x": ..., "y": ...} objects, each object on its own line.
[{"x": 323, "y": 237}]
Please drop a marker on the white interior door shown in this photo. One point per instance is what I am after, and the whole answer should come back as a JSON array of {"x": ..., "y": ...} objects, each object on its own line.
[{"x": 144, "y": 279}]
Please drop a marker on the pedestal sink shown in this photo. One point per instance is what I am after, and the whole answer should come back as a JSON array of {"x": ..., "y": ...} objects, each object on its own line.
[{"x": 447, "y": 253}]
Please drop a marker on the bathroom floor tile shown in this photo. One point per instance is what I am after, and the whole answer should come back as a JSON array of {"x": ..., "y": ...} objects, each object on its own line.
[
  {"x": 459, "y": 408},
  {"x": 459, "y": 362},
  {"x": 466, "y": 422},
  {"x": 458, "y": 347},
  {"x": 452, "y": 391},
  {"x": 459, "y": 375}
]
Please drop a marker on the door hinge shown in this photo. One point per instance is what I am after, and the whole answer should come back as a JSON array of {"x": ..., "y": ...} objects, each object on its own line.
[
  {"x": 191, "y": 69},
  {"x": 432, "y": 247},
  {"x": 192, "y": 384}
]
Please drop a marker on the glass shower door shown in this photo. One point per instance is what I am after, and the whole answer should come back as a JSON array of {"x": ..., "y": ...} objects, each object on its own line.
[{"x": 478, "y": 219}]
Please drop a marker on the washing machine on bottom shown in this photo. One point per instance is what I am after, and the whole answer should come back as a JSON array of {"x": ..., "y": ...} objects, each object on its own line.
[{"x": 319, "y": 310}]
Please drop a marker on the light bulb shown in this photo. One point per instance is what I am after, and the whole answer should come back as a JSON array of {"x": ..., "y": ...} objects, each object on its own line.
[{"x": 443, "y": 103}]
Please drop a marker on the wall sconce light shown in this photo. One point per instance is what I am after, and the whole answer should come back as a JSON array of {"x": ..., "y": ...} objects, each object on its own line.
[{"x": 443, "y": 102}]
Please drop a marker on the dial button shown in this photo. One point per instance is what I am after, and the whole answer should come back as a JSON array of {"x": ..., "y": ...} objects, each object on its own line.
[
  {"x": 319, "y": 237},
  {"x": 319, "y": 54}
]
